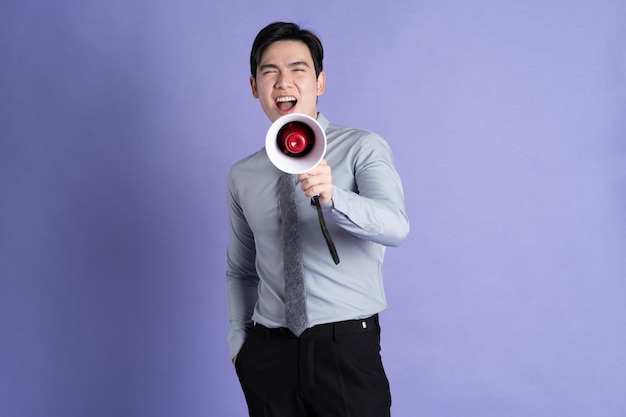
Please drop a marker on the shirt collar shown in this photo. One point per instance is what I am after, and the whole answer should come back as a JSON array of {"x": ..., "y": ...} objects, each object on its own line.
[{"x": 323, "y": 121}]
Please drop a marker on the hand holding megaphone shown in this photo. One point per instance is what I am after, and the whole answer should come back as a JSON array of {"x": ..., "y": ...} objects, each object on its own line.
[
  {"x": 318, "y": 181},
  {"x": 295, "y": 143}
]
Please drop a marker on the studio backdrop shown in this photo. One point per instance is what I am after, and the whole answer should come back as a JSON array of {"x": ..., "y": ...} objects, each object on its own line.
[{"x": 120, "y": 120}]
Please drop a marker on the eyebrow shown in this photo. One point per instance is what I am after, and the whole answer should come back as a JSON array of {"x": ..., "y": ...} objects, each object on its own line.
[
  {"x": 290, "y": 65},
  {"x": 299, "y": 63}
]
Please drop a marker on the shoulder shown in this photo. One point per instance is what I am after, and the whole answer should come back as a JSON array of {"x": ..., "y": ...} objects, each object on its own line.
[
  {"x": 357, "y": 139},
  {"x": 249, "y": 176},
  {"x": 346, "y": 133},
  {"x": 250, "y": 165}
]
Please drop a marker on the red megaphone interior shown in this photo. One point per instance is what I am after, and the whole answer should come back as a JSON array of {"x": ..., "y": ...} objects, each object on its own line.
[{"x": 295, "y": 139}]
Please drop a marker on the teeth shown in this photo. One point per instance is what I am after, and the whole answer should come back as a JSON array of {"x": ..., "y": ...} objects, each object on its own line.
[{"x": 285, "y": 99}]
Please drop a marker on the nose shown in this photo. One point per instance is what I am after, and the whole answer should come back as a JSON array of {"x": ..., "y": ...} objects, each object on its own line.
[{"x": 282, "y": 81}]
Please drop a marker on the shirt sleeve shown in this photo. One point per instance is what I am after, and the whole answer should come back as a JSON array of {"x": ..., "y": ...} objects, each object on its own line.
[
  {"x": 376, "y": 210},
  {"x": 241, "y": 276}
]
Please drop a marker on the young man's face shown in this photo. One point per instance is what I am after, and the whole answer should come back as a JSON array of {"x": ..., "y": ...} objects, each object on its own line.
[{"x": 286, "y": 82}]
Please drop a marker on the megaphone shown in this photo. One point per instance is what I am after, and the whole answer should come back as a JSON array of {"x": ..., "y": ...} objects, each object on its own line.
[{"x": 295, "y": 143}]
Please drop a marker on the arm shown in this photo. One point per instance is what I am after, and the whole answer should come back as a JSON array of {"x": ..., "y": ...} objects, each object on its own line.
[
  {"x": 241, "y": 276},
  {"x": 375, "y": 211}
]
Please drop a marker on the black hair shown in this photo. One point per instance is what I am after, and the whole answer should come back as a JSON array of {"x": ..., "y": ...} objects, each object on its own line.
[{"x": 284, "y": 31}]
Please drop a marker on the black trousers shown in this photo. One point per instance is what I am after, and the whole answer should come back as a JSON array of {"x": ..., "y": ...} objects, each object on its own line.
[{"x": 331, "y": 370}]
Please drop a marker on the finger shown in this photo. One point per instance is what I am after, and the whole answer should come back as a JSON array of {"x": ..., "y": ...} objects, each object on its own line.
[{"x": 318, "y": 169}]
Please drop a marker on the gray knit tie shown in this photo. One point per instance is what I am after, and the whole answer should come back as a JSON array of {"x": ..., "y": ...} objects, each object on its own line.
[{"x": 295, "y": 294}]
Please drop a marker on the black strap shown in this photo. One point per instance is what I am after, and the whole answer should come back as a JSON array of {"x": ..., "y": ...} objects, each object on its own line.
[{"x": 329, "y": 241}]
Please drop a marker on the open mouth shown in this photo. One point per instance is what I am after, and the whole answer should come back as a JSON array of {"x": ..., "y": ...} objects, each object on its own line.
[{"x": 286, "y": 103}]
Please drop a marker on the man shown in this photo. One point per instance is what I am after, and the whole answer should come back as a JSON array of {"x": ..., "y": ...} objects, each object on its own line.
[{"x": 334, "y": 367}]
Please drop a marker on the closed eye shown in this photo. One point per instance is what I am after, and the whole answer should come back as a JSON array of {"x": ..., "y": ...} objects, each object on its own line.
[
  {"x": 299, "y": 66},
  {"x": 268, "y": 69}
]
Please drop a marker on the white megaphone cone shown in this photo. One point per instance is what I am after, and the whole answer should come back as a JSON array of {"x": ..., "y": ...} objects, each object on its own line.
[{"x": 295, "y": 143}]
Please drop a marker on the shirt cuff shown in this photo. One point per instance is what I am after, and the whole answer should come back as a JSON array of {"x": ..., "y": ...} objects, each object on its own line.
[{"x": 235, "y": 341}]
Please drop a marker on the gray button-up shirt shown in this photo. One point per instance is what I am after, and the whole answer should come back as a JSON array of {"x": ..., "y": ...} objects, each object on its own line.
[{"x": 367, "y": 214}]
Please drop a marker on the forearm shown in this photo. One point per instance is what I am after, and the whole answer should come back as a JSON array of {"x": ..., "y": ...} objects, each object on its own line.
[
  {"x": 241, "y": 296},
  {"x": 380, "y": 221}
]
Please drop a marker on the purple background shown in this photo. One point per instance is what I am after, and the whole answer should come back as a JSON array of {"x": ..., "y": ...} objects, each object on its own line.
[{"x": 119, "y": 121}]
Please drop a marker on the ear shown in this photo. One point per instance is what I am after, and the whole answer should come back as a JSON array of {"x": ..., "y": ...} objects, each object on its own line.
[
  {"x": 255, "y": 93},
  {"x": 321, "y": 83}
]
